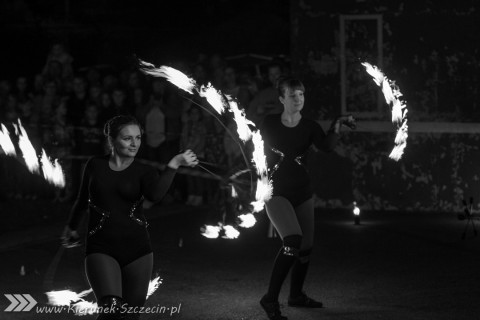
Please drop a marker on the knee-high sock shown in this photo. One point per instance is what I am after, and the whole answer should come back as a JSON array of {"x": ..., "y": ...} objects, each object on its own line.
[
  {"x": 299, "y": 272},
  {"x": 283, "y": 262}
]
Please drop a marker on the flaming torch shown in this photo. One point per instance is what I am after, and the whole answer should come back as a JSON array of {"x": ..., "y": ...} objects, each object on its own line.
[
  {"x": 246, "y": 132},
  {"x": 6, "y": 143},
  {"x": 52, "y": 171},
  {"x": 399, "y": 108}
]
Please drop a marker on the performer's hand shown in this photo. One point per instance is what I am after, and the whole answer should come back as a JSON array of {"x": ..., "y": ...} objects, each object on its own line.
[
  {"x": 346, "y": 120},
  {"x": 70, "y": 238},
  {"x": 188, "y": 159}
]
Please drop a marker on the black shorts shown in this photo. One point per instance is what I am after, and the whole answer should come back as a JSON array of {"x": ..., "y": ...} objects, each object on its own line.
[{"x": 124, "y": 252}]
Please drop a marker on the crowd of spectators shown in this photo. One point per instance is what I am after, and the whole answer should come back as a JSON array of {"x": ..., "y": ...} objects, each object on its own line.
[{"x": 64, "y": 108}]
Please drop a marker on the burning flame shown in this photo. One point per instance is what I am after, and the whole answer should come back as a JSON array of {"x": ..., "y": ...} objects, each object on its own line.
[
  {"x": 83, "y": 307},
  {"x": 213, "y": 96},
  {"x": 52, "y": 171},
  {"x": 211, "y": 232},
  {"x": 245, "y": 128},
  {"x": 392, "y": 96},
  {"x": 6, "y": 143},
  {"x": 230, "y": 232},
  {"x": 153, "y": 286},
  {"x": 28, "y": 151},
  {"x": 172, "y": 75},
  {"x": 67, "y": 298},
  {"x": 247, "y": 220}
]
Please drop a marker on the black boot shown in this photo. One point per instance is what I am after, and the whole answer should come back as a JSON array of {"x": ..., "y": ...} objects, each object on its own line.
[
  {"x": 272, "y": 309},
  {"x": 303, "y": 301}
]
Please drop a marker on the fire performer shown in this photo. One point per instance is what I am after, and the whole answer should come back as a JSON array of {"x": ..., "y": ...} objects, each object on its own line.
[
  {"x": 288, "y": 136},
  {"x": 119, "y": 258}
]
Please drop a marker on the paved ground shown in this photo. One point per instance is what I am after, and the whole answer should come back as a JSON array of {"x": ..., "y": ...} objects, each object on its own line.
[{"x": 392, "y": 266}]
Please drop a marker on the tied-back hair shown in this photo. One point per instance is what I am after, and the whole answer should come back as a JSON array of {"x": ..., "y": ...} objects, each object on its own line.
[
  {"x": 285, "y": 83},
  {"x": 114, "y": 125}
]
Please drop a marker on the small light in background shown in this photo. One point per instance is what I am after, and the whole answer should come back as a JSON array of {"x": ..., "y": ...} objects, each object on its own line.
[{"x": 356, "y": 213}]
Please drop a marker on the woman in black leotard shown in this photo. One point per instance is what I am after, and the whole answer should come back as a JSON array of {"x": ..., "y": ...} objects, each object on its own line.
[
  {"x": 288, "y": 136},
  {"x": 119, "y": 259}
]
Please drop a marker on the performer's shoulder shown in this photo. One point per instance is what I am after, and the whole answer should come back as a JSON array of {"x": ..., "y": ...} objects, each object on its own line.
[{"x": 97, "y": 159}]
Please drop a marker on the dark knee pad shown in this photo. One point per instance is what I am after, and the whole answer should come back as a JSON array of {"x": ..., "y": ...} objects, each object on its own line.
[
  {"x": 304, "y": 255},
  {"x": 291, "y": 245},
  {"x": 111, "y": 308}
]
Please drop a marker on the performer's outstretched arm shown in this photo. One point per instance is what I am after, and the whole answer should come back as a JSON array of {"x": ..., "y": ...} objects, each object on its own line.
[{"x": 155, "y": 186}]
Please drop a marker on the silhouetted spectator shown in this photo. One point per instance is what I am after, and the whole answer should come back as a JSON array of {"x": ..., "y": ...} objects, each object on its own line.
[
  {"x": 77, "y": 101},
  {"x": 90, "y": 135},
  {"x": 193, "y": 138},
  {"x": 155, "y": 130},
  {"x": 233, "y": 88},
  {"x": 266, "y": 101}
]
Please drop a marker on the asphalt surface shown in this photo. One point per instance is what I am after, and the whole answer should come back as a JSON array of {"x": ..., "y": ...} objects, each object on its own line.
[{"x": 391, "y": 266}]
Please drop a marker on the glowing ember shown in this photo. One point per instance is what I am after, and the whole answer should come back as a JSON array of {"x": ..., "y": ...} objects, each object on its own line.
[
  {"x": 52, "y": 171},
  {"x": 211, "y": 232},
  {"x": 399, "y": 108},
  {"x": 247, "y": 220},
  {"x": 6, "y": 143},
  {"x": 172, "y": 75},
  {"x": 28, "y": 151},
  {"x": 230, "y": 232}
]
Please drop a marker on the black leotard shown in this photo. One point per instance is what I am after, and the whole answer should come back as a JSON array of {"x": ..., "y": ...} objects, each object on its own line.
[
  {"x": 286, "y": 148},
  {"x": 118, "y": 195}
]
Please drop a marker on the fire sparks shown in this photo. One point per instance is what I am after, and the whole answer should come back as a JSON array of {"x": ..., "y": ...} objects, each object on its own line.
[
  {"x": 52, "y": 171},
  {"x": 399, "y": 108},
  {"x": 246, "y": 131}
]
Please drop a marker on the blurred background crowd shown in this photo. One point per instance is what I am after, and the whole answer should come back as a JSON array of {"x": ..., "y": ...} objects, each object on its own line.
[
  {"x": 67, "y": 66},
  {"x": 64, "y": 109}
]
